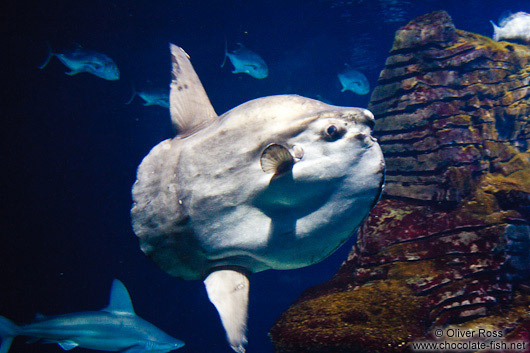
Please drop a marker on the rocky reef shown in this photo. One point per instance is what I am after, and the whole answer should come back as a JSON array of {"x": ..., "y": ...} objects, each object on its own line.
[{"x": 449, "y": 243}]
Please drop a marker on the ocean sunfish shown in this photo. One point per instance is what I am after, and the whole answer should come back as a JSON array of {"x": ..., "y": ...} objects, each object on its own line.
[
  {"x": 515, "y": 27},
  {"x": 355, "y": 81},
  {"x": 278, "y": 182},
  {"x": 115, "y": 328},
  {"x": 246, "y": 61},
  {"x": 156, "y": 96},
  {"x": 82, "y": 60}
]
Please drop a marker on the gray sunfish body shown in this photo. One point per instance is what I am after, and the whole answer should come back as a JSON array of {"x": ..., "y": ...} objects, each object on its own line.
[
  {"x": 158, "y": 97},
  {"x": 515, "y": 27},
  {"x": 279, "y": 182},
  {"x": 115, "y": 328},
  {"x": 82, "y": 60},
  {"x": 355, "y": 81},
  {"x": 246, "y": 61}
]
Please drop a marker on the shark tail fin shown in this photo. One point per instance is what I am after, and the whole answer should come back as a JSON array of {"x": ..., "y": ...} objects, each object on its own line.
[
  {"x": 50, "y": 54},
  {"x": 226, "y": 53},
  {"x": 8, "y": 331},
  {"x": 133, "y": 94},
  {"x": 495, "y": 30},
  {"x": 228, "y": 292}
]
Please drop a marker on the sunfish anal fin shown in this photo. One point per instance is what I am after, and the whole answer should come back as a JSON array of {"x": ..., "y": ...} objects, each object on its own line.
[
  {"x": 276, "y": 159},
  {"x": 67, "y": 345},
  {"x": 228, "y": 292},
  {"x": 120, "y": 301},
  {"x": 189, "y": 105}
]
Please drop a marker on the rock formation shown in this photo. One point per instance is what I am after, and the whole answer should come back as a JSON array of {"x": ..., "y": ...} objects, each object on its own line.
[{"x": 449, "y": 243}]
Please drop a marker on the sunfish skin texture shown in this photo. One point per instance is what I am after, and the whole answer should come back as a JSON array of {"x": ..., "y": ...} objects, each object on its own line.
[
  {"x": 278, "y": 182},
  {"x": 203, "y": 201}
]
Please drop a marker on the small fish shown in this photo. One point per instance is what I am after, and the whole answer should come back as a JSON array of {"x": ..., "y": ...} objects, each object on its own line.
[
  {"x": 158, "y": 97},
  {"x": 115, "y": 328},
  {"x": 354, "y": 81},
  {"x": 83, "y": 60},
  {"x": 246, "y": 61},
  {"x": 515, "y": 27}
]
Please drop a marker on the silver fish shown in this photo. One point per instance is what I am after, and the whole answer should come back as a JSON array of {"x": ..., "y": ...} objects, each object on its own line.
[
  {"x": 115, "y": 328},
  {"x": 246, "y": 61},
  {"x": 82, "y": 60},
  {"x": 158, "y": 97},
  {"x": 355, "y": 81},
  {"x": 515, "y": 27},
  {"x": 278, "y": 182}
]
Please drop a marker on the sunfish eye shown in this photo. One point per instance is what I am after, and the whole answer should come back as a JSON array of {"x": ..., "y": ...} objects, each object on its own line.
[{"x": 332, "y": 132}]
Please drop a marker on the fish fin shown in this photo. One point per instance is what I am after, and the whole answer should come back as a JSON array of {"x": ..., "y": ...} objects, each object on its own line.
[
  {"x": 120, "y": 301},
  {"x": 276, "y": 159},
  {"x": 495, "y": 30},
  {"x": 8, "y": 331},
  {"x": 132, "y": 95},
  {"x": 48, "y": 58},
  {"x": 6, "y": 344},
  {"x": 67, "y": 345},
  {"x": 226, "y": 53},
  {"x": 190, "y": 108},
  {"x": 72, "y": 72},
  {"x": 146, "y": 104},
  {"x": 228, "y": 292}
]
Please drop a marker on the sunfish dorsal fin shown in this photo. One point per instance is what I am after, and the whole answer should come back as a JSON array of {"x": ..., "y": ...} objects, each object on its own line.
[
  {"x": 189, "y": 105},
  {"x": 120, "y": 301}
]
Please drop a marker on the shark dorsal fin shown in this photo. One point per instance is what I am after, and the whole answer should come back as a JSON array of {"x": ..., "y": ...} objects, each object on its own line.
[
  {"x": 120, "y": 301},
  {"x": 189, "y": 105}
]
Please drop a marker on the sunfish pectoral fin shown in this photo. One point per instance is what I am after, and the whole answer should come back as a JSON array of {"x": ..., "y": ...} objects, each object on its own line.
[
  {"x": 228, "y": 292},
  {"x": 67, "y": 345},
  {"x": 190, "y": 107},
  {"x": 277, "y": 159}
]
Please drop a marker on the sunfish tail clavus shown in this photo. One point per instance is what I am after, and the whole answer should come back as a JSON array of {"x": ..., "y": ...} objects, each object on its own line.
[
  {"x": 82, "y": 60},
  {"x": 115, "y": 328},
  {"x": 278, "y": 182}
]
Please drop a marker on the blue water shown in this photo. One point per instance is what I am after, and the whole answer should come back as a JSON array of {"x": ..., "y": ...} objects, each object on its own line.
[{"x": 70, "y": 146}]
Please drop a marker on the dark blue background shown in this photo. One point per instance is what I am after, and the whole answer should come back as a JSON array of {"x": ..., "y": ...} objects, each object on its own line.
[{"x": 70, "y": 146}]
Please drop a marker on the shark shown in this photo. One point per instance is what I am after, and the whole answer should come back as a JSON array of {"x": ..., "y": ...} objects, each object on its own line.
[{"x": 115, "y": 328}]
